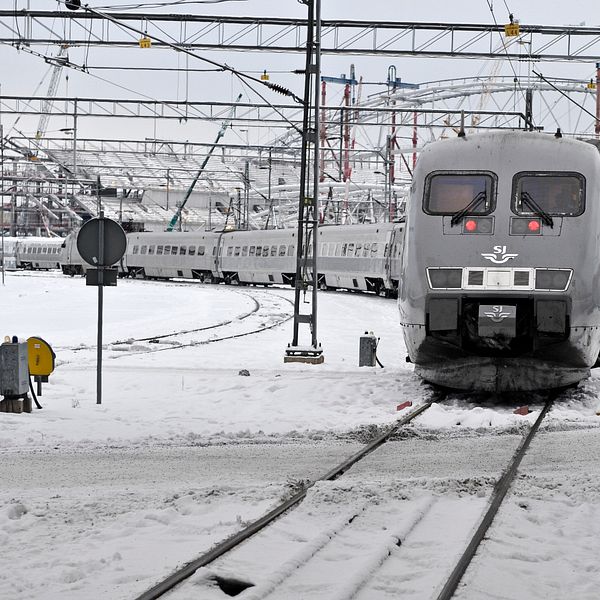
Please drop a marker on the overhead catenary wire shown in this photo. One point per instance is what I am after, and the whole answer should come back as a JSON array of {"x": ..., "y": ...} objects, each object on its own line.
[
  {"x": 512, "y": 68},
  {"x": 272, "y": 86}
]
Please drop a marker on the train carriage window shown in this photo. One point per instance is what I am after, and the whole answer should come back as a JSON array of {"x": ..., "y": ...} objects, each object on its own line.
[
  {"x": 135, "y": 249},
  {"x": 202, "y": 250},
  {"x": 366, "y": 249},
  {"x": 338, "y": 249},
  {"x": 344, "y": 249},
  {"x": 229, "y": 250},
  {"x": 159, "y": 249},
  {"x": 192, "y": 250},
  {"x": 282, "y": 250},
  {"x": 236, "y": 251},
  {"x": 350, "y": 249},
  {"x": 174, "y": 249},
  {"x": 251, "y": 251},
  {"x": 273, "y": 250},
  {"x": 143, "y": 249},
  {"x": 258, "y": 250},
  {"x": 150, "y": 249},
  {"x": 183, "y": 250},
  {"x": 244, "y": 250},
  {"x": 167, "y": 250},
  {"x": 358, "y": 250},
  {"x": 266, "y": 250},
  {"x": 374, "y": 248},
  {"x": 446, "y": 193},
  {"x": 554, "y": 193}
]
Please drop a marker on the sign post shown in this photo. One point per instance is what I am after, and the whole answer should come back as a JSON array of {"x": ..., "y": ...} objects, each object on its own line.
[{"x": 101, "y": 243}]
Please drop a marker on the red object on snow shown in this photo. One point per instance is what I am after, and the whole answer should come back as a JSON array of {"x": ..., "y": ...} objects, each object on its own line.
[
  {"x": 404, "y": 405},
  {"x": 522, "y": 410}
]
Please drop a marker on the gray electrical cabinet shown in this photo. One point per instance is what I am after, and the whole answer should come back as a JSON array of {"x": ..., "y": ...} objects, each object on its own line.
[
  {"x": 14, "y": 369},
  {"x": 367, "y": 351}
]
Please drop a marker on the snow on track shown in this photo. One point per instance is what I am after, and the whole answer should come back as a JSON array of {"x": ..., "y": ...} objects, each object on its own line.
[{"x": 101, "y": 501}]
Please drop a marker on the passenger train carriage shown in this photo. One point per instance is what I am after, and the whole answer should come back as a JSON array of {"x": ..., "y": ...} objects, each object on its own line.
[
  {"x": 356, "y": 257},
  {"x": 38, "y": 253},
  {"x": 500, "y": 277}
]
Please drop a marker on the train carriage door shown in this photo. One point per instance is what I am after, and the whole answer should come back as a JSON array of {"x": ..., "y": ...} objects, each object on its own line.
[{"x": 387, "y": 265}]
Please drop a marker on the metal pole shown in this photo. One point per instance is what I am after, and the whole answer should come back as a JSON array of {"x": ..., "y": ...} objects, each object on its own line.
[
  {"x": 100, "y": 295},
  {"x": 597, "y": 126},
  {"x": 315, "y": 174},
  {"x": 74, "y": 148},
  {"x": 2, "y": 197}
]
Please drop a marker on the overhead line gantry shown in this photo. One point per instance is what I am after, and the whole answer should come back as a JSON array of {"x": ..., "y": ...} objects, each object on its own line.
[{"x": 400, "y": 38}]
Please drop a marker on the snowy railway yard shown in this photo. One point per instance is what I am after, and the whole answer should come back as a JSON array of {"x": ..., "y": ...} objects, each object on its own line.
[{"x": 104, "y": 501}]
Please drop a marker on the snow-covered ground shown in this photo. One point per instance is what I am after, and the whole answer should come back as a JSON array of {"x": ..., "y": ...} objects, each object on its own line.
[{"x": 100, "y": 501}]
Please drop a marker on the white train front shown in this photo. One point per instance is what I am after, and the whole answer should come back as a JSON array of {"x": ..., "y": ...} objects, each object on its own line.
[{"x": 500, "y": 277}]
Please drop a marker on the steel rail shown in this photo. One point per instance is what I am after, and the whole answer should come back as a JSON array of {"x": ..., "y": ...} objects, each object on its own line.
[
  {"x": 498, "y": 494},
  {"x": 230, "y": 543}
]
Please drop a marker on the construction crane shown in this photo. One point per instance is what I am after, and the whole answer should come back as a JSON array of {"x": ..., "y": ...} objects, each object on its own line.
[
  {"x": 221, "y": 133},
  {"x": 59, "y": 61}
]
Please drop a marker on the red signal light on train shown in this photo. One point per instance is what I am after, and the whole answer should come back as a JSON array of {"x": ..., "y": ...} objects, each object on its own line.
[
  {"x": 533, "y": 225},
  {"x": 471, "y": 225}
]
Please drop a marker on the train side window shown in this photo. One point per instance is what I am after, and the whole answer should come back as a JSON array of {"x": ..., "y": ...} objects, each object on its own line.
[
  {"x": 282, "y": 250},
  {"x": 244, "y": 250},
  {"x": 174, "y": 249},
  {"x": 366, "y": 249},
  {"x": 273, "y": 250},
  {"x": 446, "y": 192},
  {"x": 167, "y": 250},
  {"x": 291, "y": 250},
  {"x": 183, "y": 250},
  {"x": 374, "y": 248},
  {"x": 344, "y": 249},
  {"x": 192, "y": 250},
  {"x": 236, "y": 251},
  {"x": 265, "y": 250},
  {"x": 159, "y": 249},
  {"x": 559, "y": 194},
  {"x": 258, "y": 250},
  {"x": 350, "y": 249},
  {"x": 251, "y": 250},
  {"x": 143, "y": 249},
  {"x": 357, "y": 252},
  {"x": 202, "y": 250},
  {"x": 338, "y": 249},
  {"x": 229, "y": 250},
  {"x": 150, "y": 249},
  {"x": 135, "y": 249}
]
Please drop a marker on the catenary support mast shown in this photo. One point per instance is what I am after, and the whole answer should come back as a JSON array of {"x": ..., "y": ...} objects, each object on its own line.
[{"x": 307, "y": 278}]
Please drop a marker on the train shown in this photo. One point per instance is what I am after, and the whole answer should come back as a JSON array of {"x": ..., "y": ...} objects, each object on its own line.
[
  {"x": 353, "y": 257},
  {"x": 500, "y": 278}
]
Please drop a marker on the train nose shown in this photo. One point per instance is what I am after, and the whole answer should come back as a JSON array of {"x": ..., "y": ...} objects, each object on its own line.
[{"x": 497, "y": 320}]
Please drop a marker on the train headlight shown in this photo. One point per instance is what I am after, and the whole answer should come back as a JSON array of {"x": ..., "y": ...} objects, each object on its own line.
[
  {"x": 552, "y": 279},
  {"x": 478, "y": 225},
  {"x": 521, "y": 226},
  {"x": 443, "y": 279}
]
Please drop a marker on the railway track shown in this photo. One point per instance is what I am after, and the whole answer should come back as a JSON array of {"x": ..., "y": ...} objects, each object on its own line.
[
  {"x": 258, "y": 319},
  {"x": 356, "y": 535}
]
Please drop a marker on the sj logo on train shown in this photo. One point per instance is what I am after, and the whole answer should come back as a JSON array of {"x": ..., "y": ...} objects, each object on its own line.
[{"x": 499, "y": 256}]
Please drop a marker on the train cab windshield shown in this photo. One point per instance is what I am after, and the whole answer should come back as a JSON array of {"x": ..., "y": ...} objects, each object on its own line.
[
  {"x": 455, "y": 193},
  {"x": 551, "y": 193}
]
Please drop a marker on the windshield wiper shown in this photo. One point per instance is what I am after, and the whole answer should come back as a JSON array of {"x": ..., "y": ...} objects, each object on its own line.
[
  {"x": 458, "y": 216},
  {"x": 539, "y": 212}
]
